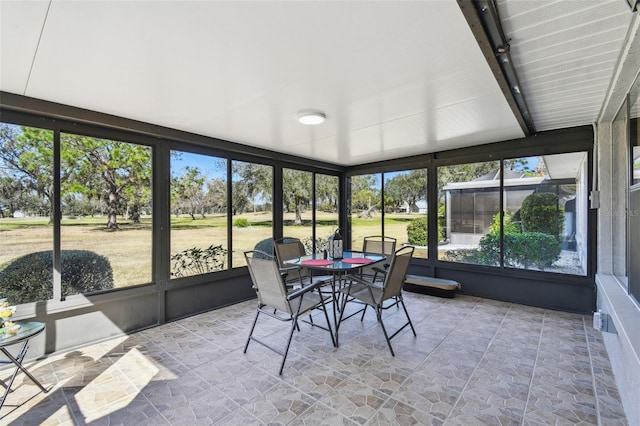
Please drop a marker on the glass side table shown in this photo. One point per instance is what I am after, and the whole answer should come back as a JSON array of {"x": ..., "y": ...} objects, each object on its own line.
[{"x": 27, "y": 331}]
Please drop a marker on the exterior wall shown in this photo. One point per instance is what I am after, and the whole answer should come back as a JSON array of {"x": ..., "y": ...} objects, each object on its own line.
[
  {"x": 623, "y": 346},
  {"x": 623, "y": 343}
]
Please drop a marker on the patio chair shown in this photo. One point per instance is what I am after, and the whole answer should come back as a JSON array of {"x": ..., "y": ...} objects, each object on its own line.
[
  {"x": 373, "y": 294},
  {"x": 291, "y": 248},
  {"x": 275, "y": 301},
  {"x": 378, "y": 244}
]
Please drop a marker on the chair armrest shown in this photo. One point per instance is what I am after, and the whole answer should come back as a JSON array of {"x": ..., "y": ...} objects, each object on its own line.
[
  {"x": 357, "y": 279},
  {"x": 379, "y": 269},
  {"x": 303, "y": 290},
  {"x": 286, "y": 269}
]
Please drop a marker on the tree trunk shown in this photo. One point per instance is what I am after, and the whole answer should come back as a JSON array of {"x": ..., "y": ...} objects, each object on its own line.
[
  {"x": 112, "y": 222},
  {"x": 298, "y": 220}
]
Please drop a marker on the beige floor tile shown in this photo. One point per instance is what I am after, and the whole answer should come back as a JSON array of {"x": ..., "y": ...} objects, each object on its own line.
[{"x": 474, "y": 361}]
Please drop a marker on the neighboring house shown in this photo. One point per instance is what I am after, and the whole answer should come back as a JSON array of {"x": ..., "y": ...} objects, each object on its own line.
[{"x": 419, "y": 206}]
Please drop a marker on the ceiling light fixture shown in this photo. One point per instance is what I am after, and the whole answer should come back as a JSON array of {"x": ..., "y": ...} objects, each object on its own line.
[{"x": 311, "y": 118}]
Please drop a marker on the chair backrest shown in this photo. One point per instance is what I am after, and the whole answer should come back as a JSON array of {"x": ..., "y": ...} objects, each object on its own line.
[
  {"x": 379, "y": 244},
  {"x": 397, "y": 272},
  {"x": 288, "y": 248},
  {"x": 267, "y": 280}
]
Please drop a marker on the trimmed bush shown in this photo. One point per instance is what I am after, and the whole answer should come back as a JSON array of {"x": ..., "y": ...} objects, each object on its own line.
[
  {"x": 30, "y": 278},
  {"x": 417, "y": 231},
  {"x": 540, "y": 212},
  {"x": 241, "y": 222}
]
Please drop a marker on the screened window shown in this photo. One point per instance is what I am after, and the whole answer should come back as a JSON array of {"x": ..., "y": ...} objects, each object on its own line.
[
  {"x": 106, "y": 205},
  {"x": 469, "y": 204},
  {"x": 251, "y": 210},
  {"x": 635, "y": 152},
  {"x": 366, "y": 205},
  {"x": 26, "y": 213},
  {"x": 327, "y": 209},
  {"x": 198, "y": 214},
  {"x": 297, "y": 211},
  {"x": 405, "y": 209},
  {"x": 545, "y": 220}
]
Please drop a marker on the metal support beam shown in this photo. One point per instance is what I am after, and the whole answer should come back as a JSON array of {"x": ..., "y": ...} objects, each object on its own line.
[{"x": 482, "y": 17}]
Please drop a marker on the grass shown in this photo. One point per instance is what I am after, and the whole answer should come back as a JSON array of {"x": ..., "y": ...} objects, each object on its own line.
[{"x": 129, "y": 249}]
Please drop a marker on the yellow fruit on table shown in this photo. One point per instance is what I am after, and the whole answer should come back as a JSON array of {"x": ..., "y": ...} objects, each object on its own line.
[{"x": 6, "y": 313}]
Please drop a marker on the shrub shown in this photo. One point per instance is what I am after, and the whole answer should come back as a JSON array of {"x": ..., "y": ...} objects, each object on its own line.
[
  {"x": 510, "y": 227},
  {"x": 30, "y": 278},
  {"x": 540, "y": 212},
  {"x": 417, "y": 231},
  {"x": 241, "y": 222},
  {"x": 442, "y": 223},
  {"x": 521, "y": 249},
  {"x": 194, "y": 261},
  {"x": 321, "y": 244},
  {"x": 474, "y": 256}
]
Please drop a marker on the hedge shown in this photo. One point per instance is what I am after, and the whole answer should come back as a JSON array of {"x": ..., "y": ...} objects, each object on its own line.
[
  {"x": 30, "y": 278},
  {"x": 520, "y": 249}
]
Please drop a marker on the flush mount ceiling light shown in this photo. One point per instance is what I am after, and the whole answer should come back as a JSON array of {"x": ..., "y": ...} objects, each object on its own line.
[{"x": 311, "y": 118}]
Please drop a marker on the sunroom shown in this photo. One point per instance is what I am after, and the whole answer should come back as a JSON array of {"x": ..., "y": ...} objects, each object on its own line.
[{"x": 146, "y": 146}]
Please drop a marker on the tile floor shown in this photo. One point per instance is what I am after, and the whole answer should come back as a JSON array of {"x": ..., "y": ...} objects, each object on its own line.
[{"x": 475, "y": 361}]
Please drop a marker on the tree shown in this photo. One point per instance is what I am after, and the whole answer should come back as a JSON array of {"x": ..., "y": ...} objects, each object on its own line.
[
  {"x": 190, "y": 195},
  {"x": 27, "y": 155},
  {"x": 116, "y": 169},
  {"x": 327, "y": 193},
  {"x": 11, "y": 191},
  {"x": 365, "y": 194},
  {"x": 251, "y": 182},
  {"x": 296, "y": 191},
  {"x": 217, "y": 194},
  {"x": 406, "y": 187}
]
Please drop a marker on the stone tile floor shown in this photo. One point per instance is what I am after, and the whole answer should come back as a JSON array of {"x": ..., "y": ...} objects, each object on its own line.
[{"x": 474, "y": 362}]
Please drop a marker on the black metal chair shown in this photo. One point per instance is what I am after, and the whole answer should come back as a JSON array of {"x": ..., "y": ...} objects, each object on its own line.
[
  {"x": 373, "y": 294},
  {"x": 275, "y": 301}
]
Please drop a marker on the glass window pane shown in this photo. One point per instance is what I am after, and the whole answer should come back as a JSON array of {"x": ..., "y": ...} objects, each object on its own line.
[
  {"x": 468, "y": 202},
  {"x": 327, "y": 208},
  {"x": 198, "y": 214},
  {"x": 635, "y": 152},
  {"x": 106, "y": 205},
  {"x": 252, "y": 213},
  {"x": 366, "y": 202},
  {"x": 405, "y": 204},
  {"x": 634, "y": 136},
  {"x": 26, "y": 234},
  {"x": 545, "y": 221},
  {"x": 296, "y": 205}
]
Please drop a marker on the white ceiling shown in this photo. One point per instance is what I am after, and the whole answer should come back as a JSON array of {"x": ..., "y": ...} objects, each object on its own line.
[{"x": 394, "y": 78}]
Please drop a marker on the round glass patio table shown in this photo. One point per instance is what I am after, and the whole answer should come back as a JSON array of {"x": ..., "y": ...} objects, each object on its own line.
[{"x": 27, "y": 331}]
